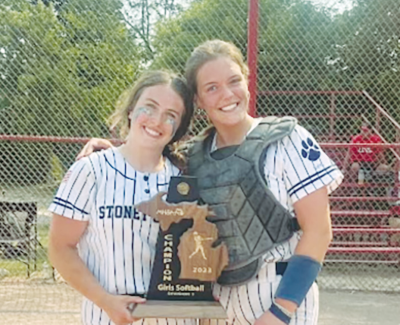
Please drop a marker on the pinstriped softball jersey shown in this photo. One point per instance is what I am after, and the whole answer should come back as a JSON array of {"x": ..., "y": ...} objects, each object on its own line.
[
  {"x": 295, "y": 166},
  {"x": 118, "y": 246}
]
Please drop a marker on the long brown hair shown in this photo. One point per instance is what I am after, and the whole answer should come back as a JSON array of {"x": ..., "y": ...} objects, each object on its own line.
[{"x": 120, "y": 122}]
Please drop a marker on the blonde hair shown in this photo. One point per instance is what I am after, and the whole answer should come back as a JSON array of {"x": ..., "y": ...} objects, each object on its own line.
[{"x": 208, "y": 51}]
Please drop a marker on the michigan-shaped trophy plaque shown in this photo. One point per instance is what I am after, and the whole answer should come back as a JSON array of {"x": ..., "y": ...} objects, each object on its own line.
[{"x": 186, "y": 261}]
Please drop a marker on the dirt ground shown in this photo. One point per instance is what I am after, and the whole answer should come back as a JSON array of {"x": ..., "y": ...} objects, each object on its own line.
[
  {"x": 38, "y": 304},
  {"x": 359, "y": 308},
  {"x": 49, "y": 304}
]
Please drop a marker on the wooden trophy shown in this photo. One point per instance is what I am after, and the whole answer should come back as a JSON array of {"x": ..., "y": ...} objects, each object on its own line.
[{"x": 186, "y": 261}]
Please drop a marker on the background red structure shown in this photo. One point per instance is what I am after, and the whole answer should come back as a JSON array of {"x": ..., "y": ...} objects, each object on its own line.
[{"x": 63, "y": 65}]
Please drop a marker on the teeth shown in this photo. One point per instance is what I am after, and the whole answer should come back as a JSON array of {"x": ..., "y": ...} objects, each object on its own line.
[
  {"x": 228, "y": 108},
  {"x": 152, "y": 132}
]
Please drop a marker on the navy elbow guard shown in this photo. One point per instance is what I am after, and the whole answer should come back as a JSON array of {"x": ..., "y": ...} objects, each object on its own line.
[{"x": 299, "y": 276}]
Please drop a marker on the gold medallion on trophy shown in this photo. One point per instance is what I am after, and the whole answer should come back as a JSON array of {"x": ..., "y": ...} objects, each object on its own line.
[{"x": 183, "y": 188}]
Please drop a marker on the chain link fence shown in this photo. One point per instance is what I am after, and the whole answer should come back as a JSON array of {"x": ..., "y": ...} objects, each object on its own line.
[{"x": 63, "y": 64}]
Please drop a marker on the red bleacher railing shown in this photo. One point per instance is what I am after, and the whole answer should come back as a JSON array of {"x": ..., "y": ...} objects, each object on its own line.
[{"x": 367, "y": 227}]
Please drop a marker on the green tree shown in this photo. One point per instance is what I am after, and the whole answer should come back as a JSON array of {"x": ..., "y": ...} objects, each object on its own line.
[
  {"x": 142, "y": 15},
  {"x": 62, "y": 73},
  {"x": 209, "y": 19},
  {"x": 366, "y": 55},
  {"x": 175, "y": 38},
  {"x": 294, "y": 41}
]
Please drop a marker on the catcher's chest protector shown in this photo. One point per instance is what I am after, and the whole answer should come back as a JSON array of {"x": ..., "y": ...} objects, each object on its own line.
[{"x": 231, "y": 181}]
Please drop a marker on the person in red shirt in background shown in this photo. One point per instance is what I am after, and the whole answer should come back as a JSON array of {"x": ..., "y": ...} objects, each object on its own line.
[{"x": 365, "y": 160}]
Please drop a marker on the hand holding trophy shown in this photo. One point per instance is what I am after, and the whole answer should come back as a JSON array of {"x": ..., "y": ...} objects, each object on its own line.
[{"x": 186, "y": 261}]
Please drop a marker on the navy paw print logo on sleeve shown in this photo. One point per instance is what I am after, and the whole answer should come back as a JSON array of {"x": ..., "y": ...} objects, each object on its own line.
[{"x": 310, "y": 150}]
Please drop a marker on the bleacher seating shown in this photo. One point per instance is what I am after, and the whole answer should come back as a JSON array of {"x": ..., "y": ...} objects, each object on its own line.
[{"x": 364, "y": 224}]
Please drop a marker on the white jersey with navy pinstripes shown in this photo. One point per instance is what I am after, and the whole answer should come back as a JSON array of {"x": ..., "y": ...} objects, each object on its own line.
[
  {"x": 118, "y": 246},
  {"x": 295, "y": 166}
]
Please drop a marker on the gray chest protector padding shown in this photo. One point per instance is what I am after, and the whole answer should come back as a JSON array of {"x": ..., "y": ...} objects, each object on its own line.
[{"x": 249, "y": 218}]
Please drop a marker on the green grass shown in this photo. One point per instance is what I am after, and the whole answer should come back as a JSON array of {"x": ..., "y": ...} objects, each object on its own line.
[
  {"x": 17, "y": 267},
  {"x": 42, "y": 194}
]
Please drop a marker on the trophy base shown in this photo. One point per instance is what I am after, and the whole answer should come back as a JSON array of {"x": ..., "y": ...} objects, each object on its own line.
[{"x": 179, "y": 309}]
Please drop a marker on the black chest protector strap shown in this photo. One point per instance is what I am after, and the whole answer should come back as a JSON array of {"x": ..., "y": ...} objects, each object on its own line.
[{"x": 250, "y": 220}]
